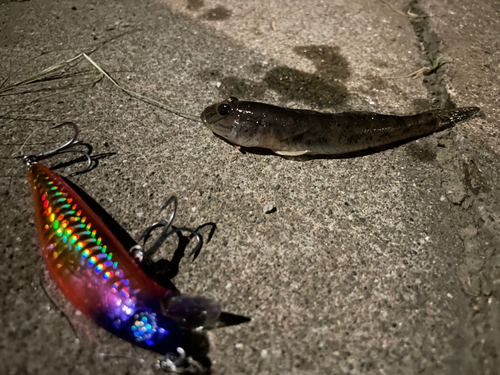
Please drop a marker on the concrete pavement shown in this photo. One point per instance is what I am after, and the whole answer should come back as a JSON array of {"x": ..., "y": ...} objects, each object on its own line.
[{"x": 382, "y": 264}]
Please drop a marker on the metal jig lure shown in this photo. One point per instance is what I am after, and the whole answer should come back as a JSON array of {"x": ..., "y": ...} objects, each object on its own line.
[{"x": 101, "y": 278}]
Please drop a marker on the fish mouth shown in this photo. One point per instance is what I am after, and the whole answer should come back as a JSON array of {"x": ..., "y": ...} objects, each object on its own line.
[
  {"x": 217, "y": 123},
  {"x": 209, "y": 114}
]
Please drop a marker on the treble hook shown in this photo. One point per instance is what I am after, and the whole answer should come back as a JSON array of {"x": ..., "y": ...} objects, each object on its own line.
[
  {"x": 138, "y": 251},
  {"x": 65, "y": 148}
]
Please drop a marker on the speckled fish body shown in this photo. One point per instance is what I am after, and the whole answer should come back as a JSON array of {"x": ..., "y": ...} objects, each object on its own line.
[
  {"x": 302, "y": 132},
  {"x": 93, "y": 269}
]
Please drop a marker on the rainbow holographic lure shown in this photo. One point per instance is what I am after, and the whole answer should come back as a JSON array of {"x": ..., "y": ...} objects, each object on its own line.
[{"x": 101, "y": 278}]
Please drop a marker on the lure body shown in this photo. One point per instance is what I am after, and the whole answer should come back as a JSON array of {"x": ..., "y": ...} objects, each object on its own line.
[
  {"x": 93, "y": 269},
  {"x": 298, "y": 132}
]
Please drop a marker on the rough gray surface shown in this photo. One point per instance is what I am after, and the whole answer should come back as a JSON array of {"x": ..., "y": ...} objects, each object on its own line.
[{"x": 382, "y": 264}]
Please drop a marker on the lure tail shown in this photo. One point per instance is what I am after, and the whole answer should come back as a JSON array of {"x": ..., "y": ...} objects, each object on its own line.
[{"x": 192, "y": 312}]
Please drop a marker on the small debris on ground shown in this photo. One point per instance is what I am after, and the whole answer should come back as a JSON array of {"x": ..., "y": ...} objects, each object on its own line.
[{"x": 269, "y": 208}]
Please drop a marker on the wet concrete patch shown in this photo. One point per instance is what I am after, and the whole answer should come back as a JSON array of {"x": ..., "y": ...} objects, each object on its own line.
[
  {"x": 234, "y": 86},
  {"x": 325, "y": 88},
  {"x": 309, "y": 88},
  {"x": 219, "y": 13},
  {"x": 422, "y": 105},
  {"x": 422, "y": 150},
  {"x": 474, "y": 179},
  {"x": 242, "y": 88},
  {"x": 329, "y": 62},
  {"x": 194, "y": 4},
  {"x": 376, "y": 82}
]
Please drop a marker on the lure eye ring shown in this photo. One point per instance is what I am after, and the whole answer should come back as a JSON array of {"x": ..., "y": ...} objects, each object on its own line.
[{"x": 224, "y": 109}]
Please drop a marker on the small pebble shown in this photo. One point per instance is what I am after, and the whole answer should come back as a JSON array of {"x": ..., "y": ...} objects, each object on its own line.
[
  {"x": 263, "y": 354},
  {"x": 269, "y": 208}
]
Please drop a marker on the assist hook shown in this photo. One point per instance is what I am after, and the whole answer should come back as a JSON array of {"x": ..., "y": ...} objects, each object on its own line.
[{"x": 65, "y": 148}]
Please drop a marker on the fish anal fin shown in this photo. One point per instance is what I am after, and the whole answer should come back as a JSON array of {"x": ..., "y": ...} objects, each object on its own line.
[{"x": 291, "y": 153}]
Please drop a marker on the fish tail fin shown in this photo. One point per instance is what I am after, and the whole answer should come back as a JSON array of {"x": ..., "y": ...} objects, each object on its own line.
[{"x": 449, "y": 117}]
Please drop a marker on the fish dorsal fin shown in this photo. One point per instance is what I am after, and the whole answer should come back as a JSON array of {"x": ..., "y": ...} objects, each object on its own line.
[{"x": 291, "y": 153}]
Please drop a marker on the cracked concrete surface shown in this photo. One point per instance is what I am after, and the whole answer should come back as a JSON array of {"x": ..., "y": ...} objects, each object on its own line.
[{"x": 382, "y": 264}]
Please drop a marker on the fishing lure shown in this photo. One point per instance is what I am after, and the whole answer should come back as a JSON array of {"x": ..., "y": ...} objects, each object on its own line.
[
  {"x": 100, "y": 277},
  {"x": 295, "y": 132}
]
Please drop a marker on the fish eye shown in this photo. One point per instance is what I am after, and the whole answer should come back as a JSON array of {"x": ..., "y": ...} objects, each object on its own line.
[
  {"x": 232, "y": 99},
  {"x": 224, "y": 109}
]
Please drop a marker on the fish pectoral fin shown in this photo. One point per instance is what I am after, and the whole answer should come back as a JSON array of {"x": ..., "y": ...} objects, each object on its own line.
[{"x": 291, "y": 153}]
